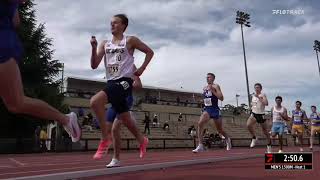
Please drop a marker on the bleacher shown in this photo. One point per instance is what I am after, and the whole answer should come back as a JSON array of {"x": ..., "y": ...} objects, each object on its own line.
[
  {"x": 235, "y": 126},
  {"x": 163, "y": 102}
]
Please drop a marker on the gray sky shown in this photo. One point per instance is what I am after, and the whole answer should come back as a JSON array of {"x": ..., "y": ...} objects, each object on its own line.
[{"x": 193, "y": 37}]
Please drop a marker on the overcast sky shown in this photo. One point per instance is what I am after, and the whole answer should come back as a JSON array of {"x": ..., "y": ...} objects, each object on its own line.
[{"x": 193, "y": 37}]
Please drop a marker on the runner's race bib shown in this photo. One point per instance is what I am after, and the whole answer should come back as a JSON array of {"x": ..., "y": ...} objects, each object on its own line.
[
  {"x": 207, "y": 102},
  {"x": 113, "y": 70}
]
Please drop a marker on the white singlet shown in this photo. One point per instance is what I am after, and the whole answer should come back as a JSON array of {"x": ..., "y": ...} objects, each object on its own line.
[
  {"x": 276, "y": 115},
  {"x": 118, "y": 61},
  {"x": 257, "y": 106}
]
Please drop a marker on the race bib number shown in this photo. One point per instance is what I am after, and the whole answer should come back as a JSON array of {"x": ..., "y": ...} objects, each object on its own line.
[
  {"x": 118, "y": 57},
  {"x": 207, "y": 102},
  {"x": 297, "y": 119},
  {"x": 113, "y": 70},
  {"x": 125, "y": 85}
]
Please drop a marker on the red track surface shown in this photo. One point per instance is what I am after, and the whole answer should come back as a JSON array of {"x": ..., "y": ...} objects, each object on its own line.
[
  {"x": 250, "y": 169},
  {"x": 40, "y": 164}
]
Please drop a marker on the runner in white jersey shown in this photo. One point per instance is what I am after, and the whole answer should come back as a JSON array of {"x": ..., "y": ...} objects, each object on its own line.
[
  {"x": 258, "y": 103},
  {"x": 279, "y": 115},
  {"x": 117, "y": 53},
  {"x": 113, "y": 125}
]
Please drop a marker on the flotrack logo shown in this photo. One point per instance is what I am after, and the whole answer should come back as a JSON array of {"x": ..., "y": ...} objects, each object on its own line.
[{"x": 288, "y": 12}]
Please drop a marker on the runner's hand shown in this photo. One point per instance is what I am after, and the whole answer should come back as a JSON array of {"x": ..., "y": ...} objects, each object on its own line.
[
  {"x": 139, "y": 71},
  {"x": 94, "y": 42}
]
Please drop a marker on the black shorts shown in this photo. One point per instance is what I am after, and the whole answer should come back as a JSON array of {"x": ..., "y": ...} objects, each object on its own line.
[
  {"x": 259, "y": 117},
  {"x": 117, "y": 92}
]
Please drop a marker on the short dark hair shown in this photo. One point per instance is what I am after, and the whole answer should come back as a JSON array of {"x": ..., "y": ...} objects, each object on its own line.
[
  {"x": 211, "y": 74},
  {"x": 258, "y": 84},
  {"x": 299, "y": 102},
  {"x": 124, "y": 19},
  {"x": 313, "y": 107},
  {"x": 279, "y": 97}
]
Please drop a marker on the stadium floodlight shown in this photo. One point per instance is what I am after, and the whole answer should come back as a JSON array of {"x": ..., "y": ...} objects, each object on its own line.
[
  {"x": 237, "y": 99},
  {"x": 243, "y": 19},
  {"x": 316, "y": 47}
]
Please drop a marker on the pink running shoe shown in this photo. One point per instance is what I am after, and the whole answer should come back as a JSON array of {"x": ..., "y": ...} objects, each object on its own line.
[
  {"x": 102, "y": 149},
  {"x": 143, "y": 147}
]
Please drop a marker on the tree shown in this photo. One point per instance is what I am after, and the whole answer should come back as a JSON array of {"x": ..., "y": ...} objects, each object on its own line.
[{"x": 243, "y": 108}]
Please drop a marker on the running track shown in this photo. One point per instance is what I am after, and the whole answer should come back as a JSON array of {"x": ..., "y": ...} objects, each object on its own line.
[{"x": 236, "y": 164}]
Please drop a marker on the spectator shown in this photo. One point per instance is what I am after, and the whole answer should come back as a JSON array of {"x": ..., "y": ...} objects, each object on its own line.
[
  {"x": 147, "y": 123},
  {"x": 67, "y": 141},
  {"x": 53, "y": 138},
  {"x": 221, "y": 136},
  {"x": 147, "y": 98},
  {"x": 96, "y": 123},
  {"x": 212, "y": 136},
  {"x": 90, "y": 117},
  {"x": 206, "y": 133},
  {"x": 37, "y": 138},
  {"x": 235, "y": 112},
  {"x": 217, "y": 137},
  {"x": 190, "y": 128},
  {"x": 43, "y": 139},
  {"x": 86, "y": 125},
  {"x": 166, "y": 126},
  {"x": 180, "y": 117},
  {"x": 200, "y": 104},
  {"x": 193, "y": 132},
  {"x": 154, "y": 100},
  {"x": 178, "y": 100},
  {"x": 155, "y": 122},
  {"x": 80, "y": 112}
]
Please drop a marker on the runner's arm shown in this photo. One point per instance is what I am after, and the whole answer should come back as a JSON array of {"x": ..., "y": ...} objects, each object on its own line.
[{"x": 97, "y": 55}]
